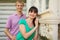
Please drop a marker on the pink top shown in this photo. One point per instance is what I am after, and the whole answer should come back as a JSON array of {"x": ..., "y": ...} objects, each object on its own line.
[{"x": 12, "y": 23}]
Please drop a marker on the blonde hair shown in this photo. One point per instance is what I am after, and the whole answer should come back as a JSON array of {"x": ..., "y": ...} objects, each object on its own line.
[{"x": 20, "y": 1}]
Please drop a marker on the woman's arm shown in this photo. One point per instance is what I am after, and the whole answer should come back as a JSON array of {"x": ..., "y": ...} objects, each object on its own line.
[
  {"x": 36, "y": 35},
  {"x": 23, "y": 31}
]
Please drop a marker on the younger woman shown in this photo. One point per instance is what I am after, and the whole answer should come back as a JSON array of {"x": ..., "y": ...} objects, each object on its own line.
[{"x": 28, "y": 26}]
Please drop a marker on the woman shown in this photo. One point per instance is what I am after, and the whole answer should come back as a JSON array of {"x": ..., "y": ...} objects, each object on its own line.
[{"x": 28, "y": 26}]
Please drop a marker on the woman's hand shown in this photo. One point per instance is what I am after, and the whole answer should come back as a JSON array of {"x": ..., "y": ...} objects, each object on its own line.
[{"x": 36, "y": 22}]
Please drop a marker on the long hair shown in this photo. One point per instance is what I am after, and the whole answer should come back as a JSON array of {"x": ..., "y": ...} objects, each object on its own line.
[{"x": 35, "y": 10}]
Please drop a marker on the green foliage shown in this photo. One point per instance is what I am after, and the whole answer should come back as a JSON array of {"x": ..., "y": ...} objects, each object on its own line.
[{"x": 9, "y": 1}]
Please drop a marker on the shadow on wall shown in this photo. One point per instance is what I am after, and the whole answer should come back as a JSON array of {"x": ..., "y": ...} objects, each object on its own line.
[{"x": 58, "y": 31}]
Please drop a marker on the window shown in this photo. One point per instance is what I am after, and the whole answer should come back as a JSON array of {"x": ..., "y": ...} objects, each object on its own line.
[
  {"x": 47, "y": 4},
  {"x": 44, "y": 5}
]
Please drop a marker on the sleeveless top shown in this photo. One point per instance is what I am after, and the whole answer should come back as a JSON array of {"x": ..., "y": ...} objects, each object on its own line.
[{"x": 19, "y": 35}]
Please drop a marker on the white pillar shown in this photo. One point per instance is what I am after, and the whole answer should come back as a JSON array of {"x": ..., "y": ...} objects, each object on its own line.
[
  {"x": 54, "y": 31},
  {"x": 52, "y": 20},
  {"x": 37, "y": 4},
  {"x": 43, "y": 5},
  {"x": 59, "y": 8},
  {"x": 53, "y": 5},
  {"x": 52, "y": 26}
]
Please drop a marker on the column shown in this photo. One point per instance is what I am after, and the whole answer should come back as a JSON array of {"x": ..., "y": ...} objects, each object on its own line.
[{"x": 43, "y": 5}]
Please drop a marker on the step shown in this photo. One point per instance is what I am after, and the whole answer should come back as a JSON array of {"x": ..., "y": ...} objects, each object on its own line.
[
  {"x": 2, "y": 7},
  {"x": 10, "y": 8},
  {"x": 4, "y": 16},
  {"x": 6, "y": 4},
  {"x": 1, "y": 29},
  {"x": 3, "y": 38},
  {"x": 3, "y": 21},
  {"x": 7, "y": 11},
  {"x": 2, "y": 25},
  {"x": 2, "y": 34}
]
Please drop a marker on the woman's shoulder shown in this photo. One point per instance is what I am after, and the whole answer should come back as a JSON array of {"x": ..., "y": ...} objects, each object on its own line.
[{"x": 22, "y": 20}]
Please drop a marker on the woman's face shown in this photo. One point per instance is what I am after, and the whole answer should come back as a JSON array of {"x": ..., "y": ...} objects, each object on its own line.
[{"x": 32, "y": 15}]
